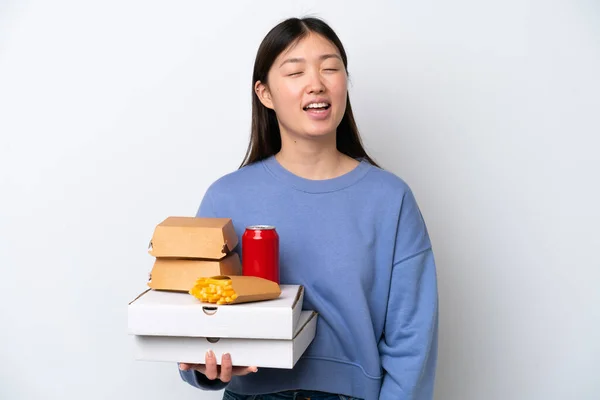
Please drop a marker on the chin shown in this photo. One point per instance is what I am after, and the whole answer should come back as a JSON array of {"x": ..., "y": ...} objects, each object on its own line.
[
  {"x": 319, "y": 133},
  {"x": 320, "y": 130}
]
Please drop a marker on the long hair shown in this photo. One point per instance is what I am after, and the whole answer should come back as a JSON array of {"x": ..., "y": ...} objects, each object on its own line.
[{"x": 265, "y": 137}]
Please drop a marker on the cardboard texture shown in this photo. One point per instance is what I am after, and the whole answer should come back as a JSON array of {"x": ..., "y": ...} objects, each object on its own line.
[
  {"x": 180, "y": 274},
  {"x": 191, "y": 237},
  {"x": 161, "y": 313},
  {"x": 247, "y": 288},
  {"x": 278, "y": 353}
]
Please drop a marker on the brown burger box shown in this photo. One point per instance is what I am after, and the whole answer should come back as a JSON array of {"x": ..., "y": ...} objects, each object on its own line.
[
  {"x": 181, "y": 274},
  {"x": 193, "y": 237}
]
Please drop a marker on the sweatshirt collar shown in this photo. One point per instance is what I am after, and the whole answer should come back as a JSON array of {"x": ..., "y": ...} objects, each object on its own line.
[{"x": 317, "y": 186}]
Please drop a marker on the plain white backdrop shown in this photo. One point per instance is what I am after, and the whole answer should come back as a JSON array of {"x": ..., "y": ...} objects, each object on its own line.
[{"x": 116, "y": 114}]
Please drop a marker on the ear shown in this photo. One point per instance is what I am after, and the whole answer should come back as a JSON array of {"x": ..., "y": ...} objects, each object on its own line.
[{"x": 263, "y": 93}]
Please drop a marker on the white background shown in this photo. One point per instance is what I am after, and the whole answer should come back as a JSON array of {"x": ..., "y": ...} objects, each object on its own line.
[{"x": 116, "y": 114}]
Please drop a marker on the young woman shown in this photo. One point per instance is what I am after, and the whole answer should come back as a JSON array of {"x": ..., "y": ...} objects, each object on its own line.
[{"x": 350, "y": 232}]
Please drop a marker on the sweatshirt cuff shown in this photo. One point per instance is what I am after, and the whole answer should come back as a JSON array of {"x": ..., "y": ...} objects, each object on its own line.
[{"x": 200, "y": 381}]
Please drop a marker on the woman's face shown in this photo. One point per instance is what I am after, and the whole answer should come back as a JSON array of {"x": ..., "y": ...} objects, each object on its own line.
[{"x": 307, "y": 88}]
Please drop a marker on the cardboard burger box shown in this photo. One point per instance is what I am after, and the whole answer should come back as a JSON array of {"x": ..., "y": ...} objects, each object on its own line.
[
  {"x": 193, "y": 237},
  {"x": 180, "y": 274}
]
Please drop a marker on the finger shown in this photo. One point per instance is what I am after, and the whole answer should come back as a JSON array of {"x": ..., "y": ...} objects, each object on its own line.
[
  {"x": 196, "y": 367},
  {"x": 200, "y": 368},
  {"x": 244, "y": 370},
  {"x": 184, "y": 366},
  {"x": 241, "y": 371},
  {"x": 226, "y": 367},
  {"x": 211, "y": 365}
]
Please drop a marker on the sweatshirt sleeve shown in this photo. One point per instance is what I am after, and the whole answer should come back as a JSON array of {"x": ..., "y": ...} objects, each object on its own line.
[
  {"x": 200, "y": 381},
  {"x": 408, "y": 349},
  {"x": 192, "y": 377}
]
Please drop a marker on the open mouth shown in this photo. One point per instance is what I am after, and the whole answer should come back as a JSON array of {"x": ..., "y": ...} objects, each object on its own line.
[{"x": 317, "y": 107}]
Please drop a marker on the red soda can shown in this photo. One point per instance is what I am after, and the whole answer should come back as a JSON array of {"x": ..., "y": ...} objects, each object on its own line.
[{"x": 260, "y": 252}]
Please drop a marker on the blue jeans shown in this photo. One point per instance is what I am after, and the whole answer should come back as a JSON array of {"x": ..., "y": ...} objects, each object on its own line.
[{"x": 289, "y": 395}]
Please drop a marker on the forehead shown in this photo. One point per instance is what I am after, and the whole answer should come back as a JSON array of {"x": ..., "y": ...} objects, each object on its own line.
[{"x": 312, "y": 45}]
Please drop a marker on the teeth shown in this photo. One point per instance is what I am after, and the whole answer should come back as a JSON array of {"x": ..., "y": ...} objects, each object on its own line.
[{"x": 317, "y": 105}]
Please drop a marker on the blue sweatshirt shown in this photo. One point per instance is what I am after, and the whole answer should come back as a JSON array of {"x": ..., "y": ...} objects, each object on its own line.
[{"x": 359, "y": 245}]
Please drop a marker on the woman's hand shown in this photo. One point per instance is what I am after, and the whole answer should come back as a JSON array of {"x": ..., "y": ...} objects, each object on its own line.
[{"x": 212, "y": 371}]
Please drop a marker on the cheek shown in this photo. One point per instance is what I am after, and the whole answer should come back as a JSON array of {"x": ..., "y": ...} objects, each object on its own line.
[
  {"x": 338, "y": 84},
  {"x": 339, "y": 90},
  {"x": 286, "y": 95}
]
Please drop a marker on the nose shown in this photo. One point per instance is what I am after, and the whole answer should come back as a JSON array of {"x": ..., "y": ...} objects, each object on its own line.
[
  {"x": 315, "y": 84},
  {"x": 316, "y": 89}
]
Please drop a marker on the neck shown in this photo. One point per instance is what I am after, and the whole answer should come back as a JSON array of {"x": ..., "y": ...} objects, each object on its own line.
[{"x": 315, "y": 159}]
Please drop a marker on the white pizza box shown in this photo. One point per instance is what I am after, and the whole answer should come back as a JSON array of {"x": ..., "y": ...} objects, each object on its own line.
[
  {"x": 164, "y": 313},
  {"x": 266, "y": 353}
]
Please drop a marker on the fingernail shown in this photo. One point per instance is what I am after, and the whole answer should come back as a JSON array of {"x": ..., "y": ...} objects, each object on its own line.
[
  {"x": 255, "y": 369},
  {"x": 210, "y": 354},
  {"x": 227, "y": 356}
]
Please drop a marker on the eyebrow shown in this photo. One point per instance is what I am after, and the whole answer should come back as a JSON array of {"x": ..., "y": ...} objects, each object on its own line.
[{"x": 299, "y": 60}]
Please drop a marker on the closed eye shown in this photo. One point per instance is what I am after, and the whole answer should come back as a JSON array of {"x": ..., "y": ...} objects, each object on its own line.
[{"x": 295, "y": 73}]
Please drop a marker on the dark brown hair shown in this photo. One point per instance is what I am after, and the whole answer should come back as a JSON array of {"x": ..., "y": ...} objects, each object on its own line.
[{"x": 265, "y": 139}]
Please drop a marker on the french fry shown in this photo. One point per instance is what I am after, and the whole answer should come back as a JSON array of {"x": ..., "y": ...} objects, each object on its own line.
[
  {"x": 234, "y": 289},
  {"x": 216, "y": 291}
]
